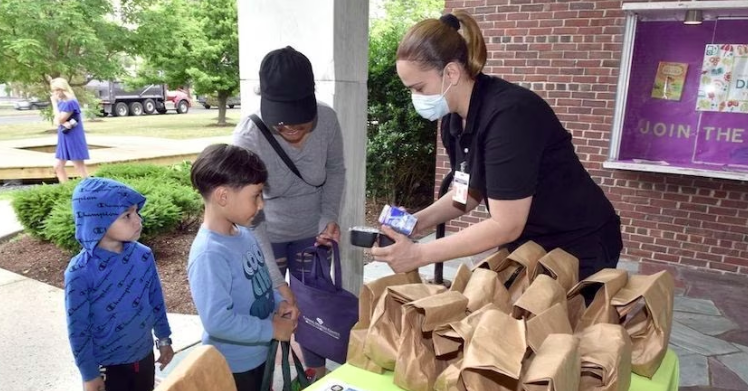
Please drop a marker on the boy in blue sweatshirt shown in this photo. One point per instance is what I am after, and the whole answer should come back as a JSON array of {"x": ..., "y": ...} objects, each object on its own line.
[
  {"x": 240, "y": 310},
  {"x": 113, "y": 294}
]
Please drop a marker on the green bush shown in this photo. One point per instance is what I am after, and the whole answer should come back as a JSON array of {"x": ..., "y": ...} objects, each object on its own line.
[
  {"x": 188, "y": 201},
  {"x": 401, "y": 148},
  {"x": 32, "y": 206},
  {"x": 60, "y": 229},
  {"x": 46, "y": 211},
  {"x": 160, "y": 215},
  {"x": 178, "y": 173},
  {"x": 123, "y": 172}
]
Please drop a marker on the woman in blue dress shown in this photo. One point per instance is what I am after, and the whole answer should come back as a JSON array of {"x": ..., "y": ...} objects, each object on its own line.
[{"x": 71, "y": 140}]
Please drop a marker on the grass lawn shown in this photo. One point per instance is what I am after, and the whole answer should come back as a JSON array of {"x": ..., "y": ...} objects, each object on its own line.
[
  {"x": 171, "y": 125},
  {"x": 9, "y": 111}
]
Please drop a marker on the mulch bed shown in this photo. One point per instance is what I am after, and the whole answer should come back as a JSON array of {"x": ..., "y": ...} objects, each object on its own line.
[{"x": 42, "y": 261}]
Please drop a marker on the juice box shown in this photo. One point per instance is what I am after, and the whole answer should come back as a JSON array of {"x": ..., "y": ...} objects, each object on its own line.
[{"x": 400, "y": 220}]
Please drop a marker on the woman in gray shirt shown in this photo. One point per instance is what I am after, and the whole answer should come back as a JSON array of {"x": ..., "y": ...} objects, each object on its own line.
[{"x": 299, "y": 210}]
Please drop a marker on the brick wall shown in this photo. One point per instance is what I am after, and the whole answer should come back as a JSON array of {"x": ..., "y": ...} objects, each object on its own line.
[{"x": 568, "y": 52}]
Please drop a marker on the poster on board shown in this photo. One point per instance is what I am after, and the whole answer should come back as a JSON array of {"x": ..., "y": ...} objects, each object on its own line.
[
  {"x": 723, "y": 85},
  {"x": 668, "y": 84}
]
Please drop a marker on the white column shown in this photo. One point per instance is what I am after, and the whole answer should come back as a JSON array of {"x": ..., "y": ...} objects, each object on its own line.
[{"x": 333, "y": 34}]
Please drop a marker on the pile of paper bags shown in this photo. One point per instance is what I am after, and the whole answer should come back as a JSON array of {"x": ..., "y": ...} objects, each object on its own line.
[{"x": 516, "y": 321}]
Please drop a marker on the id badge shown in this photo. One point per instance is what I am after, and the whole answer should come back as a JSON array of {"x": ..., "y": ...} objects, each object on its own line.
[{"x": 460, "y": 185}]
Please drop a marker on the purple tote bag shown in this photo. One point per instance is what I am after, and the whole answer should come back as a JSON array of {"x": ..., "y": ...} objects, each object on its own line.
[{"x": 328, "y": 312}]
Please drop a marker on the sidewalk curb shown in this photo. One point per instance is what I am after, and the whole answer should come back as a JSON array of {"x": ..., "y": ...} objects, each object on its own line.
[{"x": 10, "y": 236}]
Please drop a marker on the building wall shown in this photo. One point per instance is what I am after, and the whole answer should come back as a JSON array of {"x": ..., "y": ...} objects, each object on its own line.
[{"x": 569, "y": 52}]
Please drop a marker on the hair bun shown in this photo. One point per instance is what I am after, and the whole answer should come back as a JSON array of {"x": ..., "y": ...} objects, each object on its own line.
[{"x": 451, "y": 21}]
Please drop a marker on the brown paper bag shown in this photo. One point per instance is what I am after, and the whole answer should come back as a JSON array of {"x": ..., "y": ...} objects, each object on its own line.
[
  {"x": 554, "y": 320},
  {"x": 648, "y": 323},
  {"x": 372, "y": 291},
  {"x": 367, "y": 300},
  {"x": 449, "y": 379},
  {"x": 493, "y": 360},
  {"x": 606, "y": 283},
  {"x": 556, "y": 366},
  {"x": 517, "y": 268},
  {"x": 561, "y": 266},
  {"x": 543, "y": 307},
  {"x": 461, "y": 279},
  {"x": 383, "y": 340},
  {"x": 203, "y": 369},
  {"x": 416, "y": 367},
  {"x": 541, "y": 295},
  {"x": 493, "y": 261},
  {"x": 484, "y": 288},
  {"x": 356, "y": 356},
  {"x": 450, "y": 339},
  {"x": 605, "y": 353}
]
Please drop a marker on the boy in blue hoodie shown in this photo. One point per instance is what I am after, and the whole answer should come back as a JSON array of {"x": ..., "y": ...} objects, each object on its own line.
[
  {"x": 113, "y": 294},
  {"x": 240, "y": 310}
]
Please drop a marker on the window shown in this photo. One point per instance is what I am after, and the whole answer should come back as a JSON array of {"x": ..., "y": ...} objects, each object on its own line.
[{"x": 682, "y": 101}]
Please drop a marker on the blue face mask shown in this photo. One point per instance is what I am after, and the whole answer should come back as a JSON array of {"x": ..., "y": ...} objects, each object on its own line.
[{"x": 431, "y": 107}]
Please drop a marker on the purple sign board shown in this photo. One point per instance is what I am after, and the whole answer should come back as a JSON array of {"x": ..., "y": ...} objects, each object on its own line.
[{"x": 672, "y": 131}]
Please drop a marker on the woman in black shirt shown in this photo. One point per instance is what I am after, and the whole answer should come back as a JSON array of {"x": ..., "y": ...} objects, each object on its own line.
[{"x": 507, "y": 146}]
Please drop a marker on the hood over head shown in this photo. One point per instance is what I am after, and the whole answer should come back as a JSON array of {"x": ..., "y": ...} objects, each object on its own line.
[{"x": 97, "y": 203}]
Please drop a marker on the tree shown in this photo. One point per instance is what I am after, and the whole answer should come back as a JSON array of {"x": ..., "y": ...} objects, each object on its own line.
[
  {"x": 44, "y": 39},
  {"x": 401, "y": 146},
  {"x": 191, "y": 41}
]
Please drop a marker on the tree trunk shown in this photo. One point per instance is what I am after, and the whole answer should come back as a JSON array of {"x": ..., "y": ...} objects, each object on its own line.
[{"x": 223, "y": 96}]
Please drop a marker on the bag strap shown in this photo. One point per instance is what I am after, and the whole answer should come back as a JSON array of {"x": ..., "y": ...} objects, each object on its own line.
[
  {"x": 300, "y": 374},
  {"x": 285, "y": 367},
  {"x": 267, "y": 376},
  {"x": 320, "y": 265},
  {"x": 278, "y": 149}
]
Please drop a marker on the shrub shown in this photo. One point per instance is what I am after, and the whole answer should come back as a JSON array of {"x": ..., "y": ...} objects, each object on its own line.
[
  {"x": 46, "y": 211},
  {"x": 181, "y": 173},
  {"x": 59, "y": 228},
  {"x": 187, "y": 201},
  {"x": 123, "y": 172},
  {"x": 160, "y": 215},
  {"x": 32, "y": 206},
  {"x": 401, "y": 148}
]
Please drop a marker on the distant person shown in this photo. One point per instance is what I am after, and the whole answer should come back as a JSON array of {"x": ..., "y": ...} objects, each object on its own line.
[
  {"x": 113, "y": 296},
  {"x": 301, "y": 203},
  {"x": 240, "y": 310},
  {"x": 71, "y": 139}
]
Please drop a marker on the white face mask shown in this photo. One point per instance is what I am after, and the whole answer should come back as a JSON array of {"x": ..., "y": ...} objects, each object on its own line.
[{"x": 431, "y": 107}]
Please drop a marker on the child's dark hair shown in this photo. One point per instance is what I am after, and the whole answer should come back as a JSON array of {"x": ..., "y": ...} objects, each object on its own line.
[{"x": 226, "y": 165}]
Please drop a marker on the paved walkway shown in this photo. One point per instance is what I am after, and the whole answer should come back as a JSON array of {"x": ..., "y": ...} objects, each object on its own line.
[
  {"x": 33, "y": 158},
  {"x": 710, "y": 327},
  {"x": 9, "y": 225}
]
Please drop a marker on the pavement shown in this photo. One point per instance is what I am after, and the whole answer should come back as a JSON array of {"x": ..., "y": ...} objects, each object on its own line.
[
  {"x": 32, "y": 158},
  {"x": 709, "y": 335}
]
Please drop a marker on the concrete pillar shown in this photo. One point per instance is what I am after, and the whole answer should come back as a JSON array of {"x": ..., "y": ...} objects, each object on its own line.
[{"x": 333, "y": 34}]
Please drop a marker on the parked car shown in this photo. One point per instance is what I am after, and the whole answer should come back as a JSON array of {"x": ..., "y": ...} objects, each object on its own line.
[
  {"x": 209, "y": 101},
  {"x": 30, "y": 104}
]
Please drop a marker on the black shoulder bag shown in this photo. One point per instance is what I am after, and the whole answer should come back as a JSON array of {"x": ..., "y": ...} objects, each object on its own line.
[{"x": 278, "y": 149}]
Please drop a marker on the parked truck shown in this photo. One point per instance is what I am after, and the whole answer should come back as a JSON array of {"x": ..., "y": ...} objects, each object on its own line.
[
  {"x": 119, "y": 100},
  {"x": 209, "y": 101}
]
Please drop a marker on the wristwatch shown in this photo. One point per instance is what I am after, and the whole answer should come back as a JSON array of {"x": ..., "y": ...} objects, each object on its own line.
[{"x": 160, "y": 343}]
